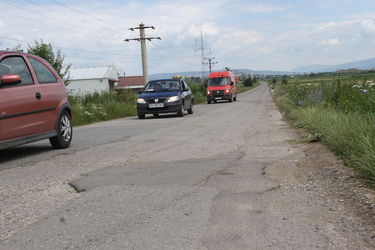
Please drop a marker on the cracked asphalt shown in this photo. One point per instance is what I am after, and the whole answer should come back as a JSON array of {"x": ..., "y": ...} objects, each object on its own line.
[{"x": 226, "y": 177}]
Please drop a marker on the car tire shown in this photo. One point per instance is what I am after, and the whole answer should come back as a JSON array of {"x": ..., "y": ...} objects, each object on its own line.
[
  {"x": 156, "y": 115},
  {"x": 235, "y": 98},
  {"x": 180, "y": 112},
  {"x": 64, "y": 131},
  {"x": 141, "y": 116},
  {"x": 191, "y": 109},
  {"x": 230, "y": 99},
  {"x": 208, "y": 102}
]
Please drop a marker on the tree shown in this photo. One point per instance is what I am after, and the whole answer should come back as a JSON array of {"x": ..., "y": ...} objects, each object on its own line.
[
  {"x": 284, "y": 80},
  {"x": 56, "y": 59},
  {"x": 248, "y": 82}
]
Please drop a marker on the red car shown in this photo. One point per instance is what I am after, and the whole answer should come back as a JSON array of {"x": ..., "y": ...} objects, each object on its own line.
[{"x": 33, "y": 102}]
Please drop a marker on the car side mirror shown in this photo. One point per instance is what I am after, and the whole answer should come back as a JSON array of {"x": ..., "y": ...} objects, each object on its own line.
[{"x": 10, "y": 79}]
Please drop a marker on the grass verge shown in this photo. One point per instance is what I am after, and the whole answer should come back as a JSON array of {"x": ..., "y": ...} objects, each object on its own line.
[{"x": 337, "y": 114}]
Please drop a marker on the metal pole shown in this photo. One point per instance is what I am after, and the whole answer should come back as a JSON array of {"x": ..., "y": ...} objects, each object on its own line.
[{"x": 144, "y": 53}]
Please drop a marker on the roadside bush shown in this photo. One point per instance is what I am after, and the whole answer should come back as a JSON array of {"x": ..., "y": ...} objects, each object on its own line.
[
  {"x": 88, "y": 108},
  {"x": 248, "y": 82},
  {"x": 199, "y": 92}
]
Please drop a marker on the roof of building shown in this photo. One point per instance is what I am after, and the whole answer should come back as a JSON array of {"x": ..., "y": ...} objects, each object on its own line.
[
  {"x": 129, "y": 81},
  {"x": 105, "y": 72}
]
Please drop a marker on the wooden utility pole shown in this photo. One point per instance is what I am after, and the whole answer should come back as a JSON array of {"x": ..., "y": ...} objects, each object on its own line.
[
  {"x": 210, "y": 62},
  {"x": 142, "y": 38}
]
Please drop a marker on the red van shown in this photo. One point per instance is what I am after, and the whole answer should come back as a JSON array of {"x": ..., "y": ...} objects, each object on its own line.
[{"x": 221, "y": 86}]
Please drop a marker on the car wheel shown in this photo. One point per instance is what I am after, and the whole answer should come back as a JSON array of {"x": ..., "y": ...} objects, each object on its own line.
[
  {"x": 208, "y": 102},
  {"x": 191, "y": 109},
  {"x": 180, "y": 112},
  {"x": 141, "y": 116},
  {"x": 156, "y": 115},
  {"x": 64, "y": 132},
  {"x": 231, "y": 98},
  {"x": 235, "y": 98}
]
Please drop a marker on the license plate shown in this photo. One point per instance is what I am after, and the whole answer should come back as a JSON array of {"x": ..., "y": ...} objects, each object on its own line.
[
  {"x": 218, "y": 98},
  {"x": 156, "y": 105}
]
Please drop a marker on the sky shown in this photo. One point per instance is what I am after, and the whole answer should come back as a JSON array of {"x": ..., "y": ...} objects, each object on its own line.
[{"x": 240, "y": 34}]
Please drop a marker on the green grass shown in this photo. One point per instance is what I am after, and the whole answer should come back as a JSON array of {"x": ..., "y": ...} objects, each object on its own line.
[
  {"x": 339, "y": 113},
  {"x": 89, "y": 108}
]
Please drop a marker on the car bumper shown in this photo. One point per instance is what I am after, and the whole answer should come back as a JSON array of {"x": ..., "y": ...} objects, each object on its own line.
[
  {"x": 212, "y": 98},
  {"x": 168, "y": 108}
]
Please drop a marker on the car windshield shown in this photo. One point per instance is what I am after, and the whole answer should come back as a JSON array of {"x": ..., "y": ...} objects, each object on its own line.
[
  {"x": 218, "y": 81},
  {"x": 165, "y": 85}
]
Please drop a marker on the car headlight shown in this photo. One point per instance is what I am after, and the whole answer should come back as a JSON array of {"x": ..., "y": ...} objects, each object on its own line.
[
  {"x": 141, "y": 100},
  {"x": 208, "y": 92},
  {"x": 173, "y": 99},
  {"x": 227, "y": 90}
]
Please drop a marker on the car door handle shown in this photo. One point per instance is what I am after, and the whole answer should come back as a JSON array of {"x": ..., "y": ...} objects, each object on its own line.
[{"x": 38, "y": 95}]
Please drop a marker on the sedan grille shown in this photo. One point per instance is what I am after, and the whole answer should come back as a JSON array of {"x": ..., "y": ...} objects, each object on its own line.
[{"x": 156, "y": 100}]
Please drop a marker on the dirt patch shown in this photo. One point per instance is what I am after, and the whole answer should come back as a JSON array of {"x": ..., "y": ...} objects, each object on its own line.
[{"x": 348, "y": 204}]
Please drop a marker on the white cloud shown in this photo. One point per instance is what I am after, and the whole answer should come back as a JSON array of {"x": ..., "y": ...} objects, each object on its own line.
[
  {"x": 332, "y": 41},
  {"x": 262, "y": 8},
  {"x": 368, "y": 25}
]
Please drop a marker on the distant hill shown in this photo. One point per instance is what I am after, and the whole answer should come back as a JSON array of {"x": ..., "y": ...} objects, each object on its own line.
[
  {"x": 363, "y": 64},
  {"x": 199, "y": 73}
]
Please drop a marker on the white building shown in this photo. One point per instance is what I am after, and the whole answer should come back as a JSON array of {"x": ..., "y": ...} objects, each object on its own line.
[{"x": 92, "y": 79}]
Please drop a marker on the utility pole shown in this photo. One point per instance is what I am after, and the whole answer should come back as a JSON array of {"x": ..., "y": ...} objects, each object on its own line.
[
  {"x": 202, "y": 48},
  {"x": 210, "y": 62},
  {"x": 142, "y": 38}
]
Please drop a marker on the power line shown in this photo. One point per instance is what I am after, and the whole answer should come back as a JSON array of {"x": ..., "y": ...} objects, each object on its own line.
[
  {"x": 67, "y": 48},
  {"x": 81, "y": 12},
  {"x": 54, "y": 11}
]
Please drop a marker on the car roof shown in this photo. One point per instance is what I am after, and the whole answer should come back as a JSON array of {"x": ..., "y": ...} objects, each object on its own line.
[
  {"x": 169, "y": 79},
  {"x": 4, "y": 52}
]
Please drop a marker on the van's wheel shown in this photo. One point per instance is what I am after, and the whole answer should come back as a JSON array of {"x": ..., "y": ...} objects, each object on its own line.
[
  {"x": 64, "y": 131},
  {"x": 180, "y": 112},
  {"x": 141, "y": 116},
  {"x": 191, "y": 109},
  {"x": 208, "y": 102},
  {"x": 235, "y": 98},
  {"x": 231, "y": 98}
]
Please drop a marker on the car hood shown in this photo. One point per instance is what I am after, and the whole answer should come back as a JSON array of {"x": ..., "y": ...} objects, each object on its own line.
[{"x": 159, "y": 94}]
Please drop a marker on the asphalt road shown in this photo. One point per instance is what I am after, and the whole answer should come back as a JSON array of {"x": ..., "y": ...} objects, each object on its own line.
[{"x": 218, "y": 179}]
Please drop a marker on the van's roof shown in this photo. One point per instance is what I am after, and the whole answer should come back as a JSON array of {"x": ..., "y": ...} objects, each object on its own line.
[{"x": 220, "y": 74}]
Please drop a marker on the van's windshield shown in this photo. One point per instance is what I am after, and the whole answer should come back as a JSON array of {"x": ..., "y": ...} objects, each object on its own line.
[{"x": 219, "y": 81}]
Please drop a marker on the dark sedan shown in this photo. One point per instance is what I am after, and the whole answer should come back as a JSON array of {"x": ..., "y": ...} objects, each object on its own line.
[{"x": 165, "y": 96}]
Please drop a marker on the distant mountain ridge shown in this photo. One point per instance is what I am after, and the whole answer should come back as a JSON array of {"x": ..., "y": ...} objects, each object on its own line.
[
  {"x": 363, "y": 64},
  {"x": 236, "y": 71}
]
